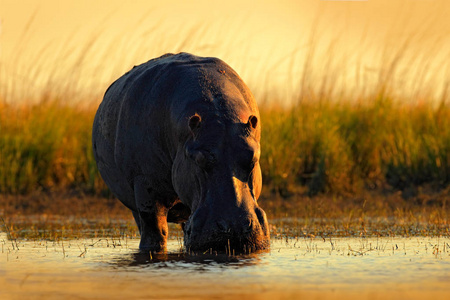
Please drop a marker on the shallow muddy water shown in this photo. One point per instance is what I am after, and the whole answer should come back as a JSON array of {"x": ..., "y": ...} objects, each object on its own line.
[{"x": 355, "y": 268}]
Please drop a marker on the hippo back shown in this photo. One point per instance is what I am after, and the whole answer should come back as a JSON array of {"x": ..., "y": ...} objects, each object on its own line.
[{"x": 140, "y": 123}]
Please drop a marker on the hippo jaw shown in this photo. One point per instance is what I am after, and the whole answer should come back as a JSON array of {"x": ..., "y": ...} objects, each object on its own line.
[{"x": 238, "y": 229}]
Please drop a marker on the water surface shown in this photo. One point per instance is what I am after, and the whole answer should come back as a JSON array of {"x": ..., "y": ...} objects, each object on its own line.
[{"x": 383, "y": 267}]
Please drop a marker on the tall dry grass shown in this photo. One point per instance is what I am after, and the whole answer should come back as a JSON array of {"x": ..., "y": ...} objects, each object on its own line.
[
  {"x": 312, "y": 147},
  {"x": 46, "y": 146},
  {"x": 328, "y": 140},
  {"x": 344, "y": 148}
]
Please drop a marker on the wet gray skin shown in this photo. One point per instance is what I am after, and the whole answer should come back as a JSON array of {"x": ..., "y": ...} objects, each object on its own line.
[{"x": 176, "y": 139}]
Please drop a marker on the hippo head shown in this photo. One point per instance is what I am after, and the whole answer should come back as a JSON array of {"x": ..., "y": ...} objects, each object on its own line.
[
  {"x": 216, "y": 173},
  {"x": 223, "y": 185}
]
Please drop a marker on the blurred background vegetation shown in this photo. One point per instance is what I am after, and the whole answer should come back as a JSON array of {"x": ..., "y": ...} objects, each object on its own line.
[
  {"x": 312, "y": 147},
  {"x": 341, "y": 113}
]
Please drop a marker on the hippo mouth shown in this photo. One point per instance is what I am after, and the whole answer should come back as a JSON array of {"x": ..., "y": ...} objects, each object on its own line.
[
  {"x": 215, "y": 236},
  {"x": 226, "y": 243}
]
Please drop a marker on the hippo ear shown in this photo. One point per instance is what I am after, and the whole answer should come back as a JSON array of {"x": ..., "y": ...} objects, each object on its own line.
[
  {"x": 194, "y": 122},
  {"x": 253, "y": 121}
]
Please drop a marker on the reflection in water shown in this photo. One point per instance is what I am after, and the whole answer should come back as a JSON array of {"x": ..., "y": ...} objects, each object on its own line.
[
  {"x": 182, "y": 260},
  {"x": 290, "y": 261},
  {"x": 115, "y": 269}
]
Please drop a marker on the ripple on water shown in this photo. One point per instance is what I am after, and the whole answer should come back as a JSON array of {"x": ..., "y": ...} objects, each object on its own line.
[{"x": 291, "y": 264}]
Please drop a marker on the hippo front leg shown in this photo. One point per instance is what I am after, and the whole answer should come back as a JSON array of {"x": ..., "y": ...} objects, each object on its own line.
[{"x": 152, "y": 219}]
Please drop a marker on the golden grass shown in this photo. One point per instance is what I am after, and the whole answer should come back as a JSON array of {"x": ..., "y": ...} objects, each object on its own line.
[
  {"x": 58, "y": 216},
  {"x": 312, "y": 147},
  {"x": 343, "y": 147},
  {"x": 45, "y": 146},
  {"x": 330, "y": 140}
]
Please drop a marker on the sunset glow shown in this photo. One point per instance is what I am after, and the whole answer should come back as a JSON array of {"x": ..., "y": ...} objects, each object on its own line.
[{"x": 278, "y": 48}]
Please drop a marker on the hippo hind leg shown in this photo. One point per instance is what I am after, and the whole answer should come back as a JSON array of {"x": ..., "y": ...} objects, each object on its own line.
[{"x": 151, "y": 218}]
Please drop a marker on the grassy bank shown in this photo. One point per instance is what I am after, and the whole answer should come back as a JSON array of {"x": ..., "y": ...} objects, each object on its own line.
[
  {"x": 55, "y": 216},
  {"x": 340, "y": 147},
  {"x": 313, "y": 147},
  {"x": 349, "y": 119},
  {"x": 46, "y": 146}
]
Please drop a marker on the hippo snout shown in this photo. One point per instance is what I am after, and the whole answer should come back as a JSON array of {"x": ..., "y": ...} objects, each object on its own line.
[{"x": 237, "y": 230}]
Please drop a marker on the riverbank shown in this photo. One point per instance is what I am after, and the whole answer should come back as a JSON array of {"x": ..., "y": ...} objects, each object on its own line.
[{"x": 371, "y": 214}]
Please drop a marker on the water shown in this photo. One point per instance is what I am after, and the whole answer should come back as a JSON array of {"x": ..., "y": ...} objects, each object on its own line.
[{"x": 311, "y": 267}]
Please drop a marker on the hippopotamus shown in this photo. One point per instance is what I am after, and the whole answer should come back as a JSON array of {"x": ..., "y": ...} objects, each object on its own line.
[{"x": 177, "y": 139}]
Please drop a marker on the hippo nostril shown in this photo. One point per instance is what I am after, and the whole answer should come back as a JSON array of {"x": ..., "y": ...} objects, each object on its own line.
[
  {"x": 248, "y": 227},
  {"x": 261, "y": 215}
]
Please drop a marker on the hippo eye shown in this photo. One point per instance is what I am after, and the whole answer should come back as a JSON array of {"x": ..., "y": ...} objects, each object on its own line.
[
  {"x": 203, "y": 158},
  {"x": 209, "y": 161},
  {"x": 200, "y": 159},
  {"x": 248, "y": 160}
]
